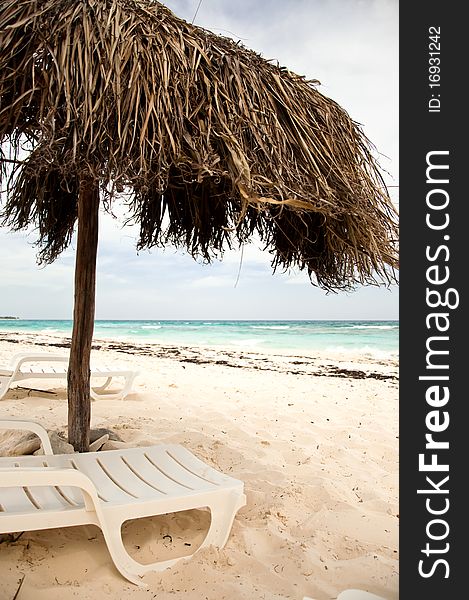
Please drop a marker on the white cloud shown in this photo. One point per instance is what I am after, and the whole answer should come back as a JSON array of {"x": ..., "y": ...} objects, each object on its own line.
[{"x": 212, "y": 281}]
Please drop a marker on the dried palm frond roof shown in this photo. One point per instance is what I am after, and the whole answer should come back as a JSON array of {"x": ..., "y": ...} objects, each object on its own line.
[{"x": 212, "y": 143}]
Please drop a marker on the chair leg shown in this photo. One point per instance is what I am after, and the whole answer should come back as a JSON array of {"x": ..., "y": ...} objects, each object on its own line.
[
  {"x": 96, "y": 395},
  {"x": 125, "y": 564},
  {"x": 100, "y": 388},
  {"x": 222, "y": 515},
  {"x": 4, "y": 386}
]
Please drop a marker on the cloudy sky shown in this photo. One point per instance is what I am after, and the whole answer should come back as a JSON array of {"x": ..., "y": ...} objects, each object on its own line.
[{"x": 351, "y": 46}]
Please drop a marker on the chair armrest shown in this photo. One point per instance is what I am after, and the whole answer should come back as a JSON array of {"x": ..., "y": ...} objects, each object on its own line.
[
  {"x": 23, "y": 425},
  {"x": 51, "y": 476}
]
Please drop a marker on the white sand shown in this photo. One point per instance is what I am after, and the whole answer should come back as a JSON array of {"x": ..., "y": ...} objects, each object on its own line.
[{"x": 318, "y": 453}]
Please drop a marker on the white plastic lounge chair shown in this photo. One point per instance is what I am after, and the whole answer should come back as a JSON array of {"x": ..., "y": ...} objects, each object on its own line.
[
  {"x": 358, "y": 595},
  {"x": 353, "y": 595},
  {"x": 110, "y": 487},
  {"x": 54, "y": 366}
]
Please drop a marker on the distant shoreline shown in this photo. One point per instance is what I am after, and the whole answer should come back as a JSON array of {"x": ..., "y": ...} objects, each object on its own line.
[
  {"x": 214, "y": 320},
  {"x": 9, "y": 318}
]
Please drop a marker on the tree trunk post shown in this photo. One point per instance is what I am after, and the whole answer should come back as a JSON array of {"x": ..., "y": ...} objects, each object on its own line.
[{"x": 78, "y": 377}]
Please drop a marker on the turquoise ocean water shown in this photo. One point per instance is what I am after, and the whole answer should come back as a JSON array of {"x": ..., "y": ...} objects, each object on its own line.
[{"x": 373, "y": 337}]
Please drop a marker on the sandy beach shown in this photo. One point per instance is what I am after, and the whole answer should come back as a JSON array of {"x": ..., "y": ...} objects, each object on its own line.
[{"x": 314, "y": 438}]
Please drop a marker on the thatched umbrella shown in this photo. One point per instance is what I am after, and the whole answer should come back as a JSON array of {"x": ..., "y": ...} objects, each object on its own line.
[{"x": 208, "y": 143}]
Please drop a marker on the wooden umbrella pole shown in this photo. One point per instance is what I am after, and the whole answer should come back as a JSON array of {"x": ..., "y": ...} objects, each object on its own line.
[{"x": 79, "y": 401}]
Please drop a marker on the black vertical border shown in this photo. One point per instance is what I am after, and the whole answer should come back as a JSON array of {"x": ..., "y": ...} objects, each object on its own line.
[{"x": 422, "y": 131}]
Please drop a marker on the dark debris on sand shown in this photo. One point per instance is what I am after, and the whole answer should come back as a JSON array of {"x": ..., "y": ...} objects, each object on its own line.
[{"x": 294, "y": 365}]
